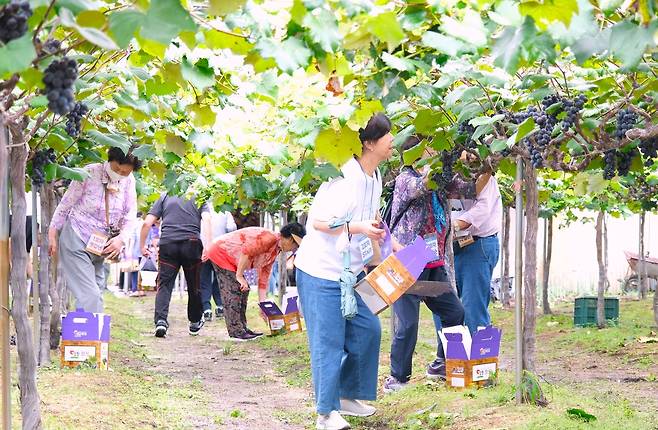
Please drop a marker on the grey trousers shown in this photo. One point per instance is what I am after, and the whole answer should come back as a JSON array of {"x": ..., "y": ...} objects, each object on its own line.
[{"x": 84, "y": 272}]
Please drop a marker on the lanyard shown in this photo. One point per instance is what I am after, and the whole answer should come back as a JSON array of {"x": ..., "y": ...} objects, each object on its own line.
[{"x": 372, "y": 195}]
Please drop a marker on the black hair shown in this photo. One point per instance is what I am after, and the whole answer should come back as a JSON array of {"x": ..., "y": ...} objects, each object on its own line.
[
  {"x": 116, "y": 154},
  {"x": 409, "y": 143},
  {"x": 140, "y": 214},
  {"x": 378, "y": 126},
  {"x": 293, "y": 228}
]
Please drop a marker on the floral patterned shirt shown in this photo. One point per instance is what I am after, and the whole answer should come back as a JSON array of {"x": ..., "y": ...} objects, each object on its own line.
[
  {"x": 83, "y": 204},
  {"x": 259, "y": 244},
  {"x": 426, "y": 212}
]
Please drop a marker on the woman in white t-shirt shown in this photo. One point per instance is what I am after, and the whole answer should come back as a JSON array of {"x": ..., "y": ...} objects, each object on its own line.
[{"x": 344, "y": 353}]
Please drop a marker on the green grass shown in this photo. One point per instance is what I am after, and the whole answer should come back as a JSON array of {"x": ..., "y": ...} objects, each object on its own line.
[
  {"x": 433, "y": 406},
  {"x": 121, "y": 398}
]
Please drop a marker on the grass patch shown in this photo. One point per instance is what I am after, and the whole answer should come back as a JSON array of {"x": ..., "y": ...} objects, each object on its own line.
[{"x": 121, "y": 398}]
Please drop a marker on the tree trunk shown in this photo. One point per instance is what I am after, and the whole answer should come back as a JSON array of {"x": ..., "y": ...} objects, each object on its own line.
[
  {"x": 655, "y": 306},
  {"x": 504, "y": 279},
  {"x": 605, "y": 250},
  {"x": 27, "y": 370},
  {"x": 55, "y": 284},
  {"x": 47, "y": 211},
  {"x": 5, "y": 359},
  {"x": 530, "y": 268},
  {"x": 641, "y": 270},
  {"x": 600, "y": 301},
  {"x": 548, "y": 252}
]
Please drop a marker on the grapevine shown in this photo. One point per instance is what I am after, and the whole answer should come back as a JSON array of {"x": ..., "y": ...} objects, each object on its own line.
[
  {"x": 626, "y": 120},
  {"x": 624, "y": 160},
  {"x": 649, "y": 150},
  {"x": 13, "y": 20},
  {"x": 610, "y": 164},
  {"x": 59, "y": 78}
]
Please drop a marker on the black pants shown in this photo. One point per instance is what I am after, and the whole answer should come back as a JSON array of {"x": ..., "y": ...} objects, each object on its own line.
[
  {"x": 407, "y": 310},
  {"x": 173, "y": 255}
]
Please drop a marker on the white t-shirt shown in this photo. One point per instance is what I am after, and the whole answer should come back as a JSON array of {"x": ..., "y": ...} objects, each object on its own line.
[{"x": 356, "y": 194}]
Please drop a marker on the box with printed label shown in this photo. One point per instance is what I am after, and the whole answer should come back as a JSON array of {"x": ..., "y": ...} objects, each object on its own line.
[
  {"x": 279, "y": 322},
  {"x": 85, "y": 338},
  {"x": 470, "y": 361},
  {"x": 394, "y": 276}
]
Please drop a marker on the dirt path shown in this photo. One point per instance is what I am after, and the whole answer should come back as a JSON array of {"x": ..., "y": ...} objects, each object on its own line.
[{"x": 238, "y": 379}]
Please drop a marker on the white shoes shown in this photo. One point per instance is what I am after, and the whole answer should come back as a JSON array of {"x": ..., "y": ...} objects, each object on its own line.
[
  {"x": 333, "y": 421},
  {"x": 356, "y": 408}
]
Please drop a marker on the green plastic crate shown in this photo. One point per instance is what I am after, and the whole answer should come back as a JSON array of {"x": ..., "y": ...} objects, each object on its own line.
[{"x": 584, "y": 311}]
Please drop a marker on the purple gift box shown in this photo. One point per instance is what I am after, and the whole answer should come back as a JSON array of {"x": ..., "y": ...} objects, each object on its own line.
[
  {"x": 415, "y": 256},
  {"x": 271, "y": 309},
  {"x": 81, "y": 325},
  {"x": 459, "y": 345},
  {"x": 386, "y": 247}
]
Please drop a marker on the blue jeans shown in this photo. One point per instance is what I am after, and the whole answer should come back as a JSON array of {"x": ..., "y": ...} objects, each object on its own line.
[
  {"x": 474, "y": 265},
  {"x": 446, "y": 307},
  {"x": 209, "y": 286},
  {"x": 344, "y": 353}
]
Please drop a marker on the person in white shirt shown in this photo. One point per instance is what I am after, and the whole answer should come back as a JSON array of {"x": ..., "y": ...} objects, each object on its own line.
[
  {"x": 222, "y": 223},
  {"x": 344, "y": 353}
]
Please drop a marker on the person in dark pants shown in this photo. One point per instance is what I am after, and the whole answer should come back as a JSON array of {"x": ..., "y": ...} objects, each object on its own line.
[
  {"x": 419, "y": 211},
  {"x": 221, "y": 223},
  {"x": 180, "y": 246}
]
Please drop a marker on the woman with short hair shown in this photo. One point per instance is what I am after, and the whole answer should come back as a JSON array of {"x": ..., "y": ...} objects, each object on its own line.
[
  {"x": 344, "y": 218},
  {"x": 94, "y": 220}
]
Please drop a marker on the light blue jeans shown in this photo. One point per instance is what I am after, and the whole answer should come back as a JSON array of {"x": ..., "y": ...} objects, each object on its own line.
[
  {"x": 474, "y": 265},
  {"x": 344, "y": 353}
]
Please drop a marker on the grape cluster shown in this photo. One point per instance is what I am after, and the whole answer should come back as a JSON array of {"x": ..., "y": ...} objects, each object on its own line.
[
  {"x": 52, "y": 46},
  {"x": 39, "y": 161},
  {"x": 626, "y": 120},
  {"x": 572, "y": 108},
  {"x": 535, "y": 155},
  {"x": 13, "y": 20},
  {"x": 74, "y": 123},
  {"x": 609, "y": 164},
  {"x": 59, "y": 78},
  {"x": 448, "y": 159},
  {"x": 649, "y": 149},
  {"x": 550, "y": 100},
  {"x": 467, "y": 130},
  {"x": 624, "y": 160}
]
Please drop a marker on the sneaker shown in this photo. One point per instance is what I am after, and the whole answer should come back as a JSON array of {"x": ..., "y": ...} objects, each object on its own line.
[
  {"x": 437, "y": 369},
  {"x": 196, "y": 327},
  {"x": 219, "y": 312},
  {"x": 332, "y": 421},
  {"x": 392, "y": 384},
  {"x": 244, "y": 337},
  {"x": 161, "y": 328},
  {"x": 255, "y": 333},
  {"x": 207, "y": 315},
  {"x": 356, "y": 408}
]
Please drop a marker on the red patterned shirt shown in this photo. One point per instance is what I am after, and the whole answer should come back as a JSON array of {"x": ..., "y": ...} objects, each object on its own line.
[{"x": 259, "y": 244}]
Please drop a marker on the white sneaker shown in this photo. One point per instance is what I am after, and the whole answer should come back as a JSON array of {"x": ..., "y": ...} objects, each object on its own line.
[
  {"x": 356, "y": 408},
  {"x": 333, "y": 421}
]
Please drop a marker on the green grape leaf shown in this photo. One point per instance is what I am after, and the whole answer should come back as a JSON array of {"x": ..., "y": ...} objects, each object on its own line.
[
  {"x": 110, "y": 140},
  {"x": 546, "y": 12},
  {"x": 470, "y": 29},
  {"x": 413, "y": 154},
  {"x": 290, "y": 55},
  {"x": 144, "y": 152},
  {"x": 337, "y": 147},
  {"x": 255, "y": 187},
  {"x": 17, "y": 55},
  {"x": 93, "y": 35},
  {"x": 73, "y": 173},
  {"x": 124, "y": 24},
  {"x": 200, "y": 74},
  {"x": 629, "y": 41},
  {"x": 427, "y": 121},
  {"x": 442, "y": 43},
  {"x": 220, "y": 40},
  {"x": 498, "y": 145},
  {"x": 165, "y": 19},
  {"x": 524, "y": 130},
  {"x": 323, "y": 27},
  {"x": 223, "y": 7},
  {"x": 507, "y": 49},
  {"x": 386, "y": 28},
  {"x": 397, "y": 63}
]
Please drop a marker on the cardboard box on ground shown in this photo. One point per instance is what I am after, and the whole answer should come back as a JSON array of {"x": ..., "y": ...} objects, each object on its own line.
[
  {"x": 279, "y": 322},
  {"x": 470, "y": 361},
  {"x": 85, "y": 338}
]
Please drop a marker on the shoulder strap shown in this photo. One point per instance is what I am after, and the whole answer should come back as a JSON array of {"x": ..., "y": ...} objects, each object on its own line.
[{"x": 107, "y": 205}]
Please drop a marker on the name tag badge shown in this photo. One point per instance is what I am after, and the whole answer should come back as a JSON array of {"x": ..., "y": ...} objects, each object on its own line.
[
  {"x": 367, "y": 252},
  {"x": 433, "y": 243},
  {"x": 96, "y": 243},
  {"x": 465, "y": 241}
]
